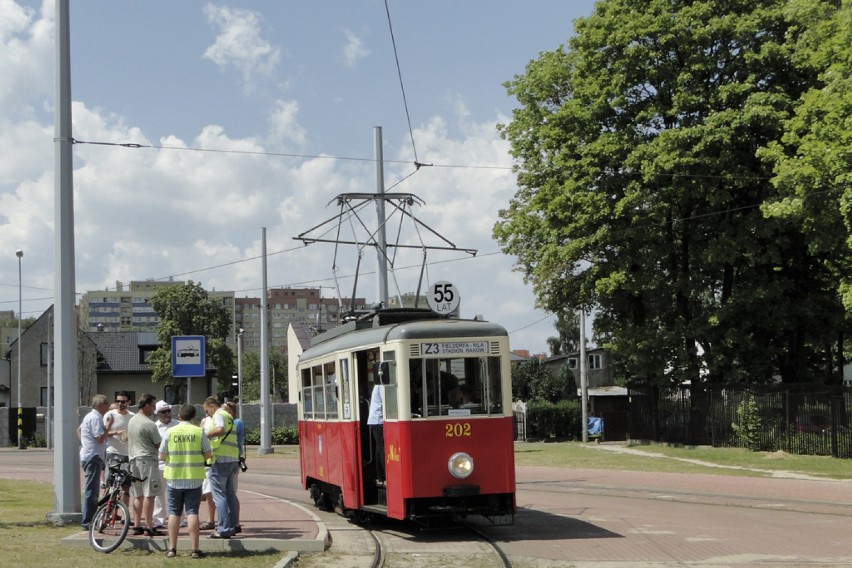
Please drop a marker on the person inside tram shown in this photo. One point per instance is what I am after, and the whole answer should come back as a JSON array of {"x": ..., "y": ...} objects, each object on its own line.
[
  {"x": 375, "y": 422},
  {"x": 467, "y": 397}
]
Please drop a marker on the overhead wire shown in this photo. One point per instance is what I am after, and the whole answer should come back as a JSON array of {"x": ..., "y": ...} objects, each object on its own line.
[{"x": 402, "y": 86}]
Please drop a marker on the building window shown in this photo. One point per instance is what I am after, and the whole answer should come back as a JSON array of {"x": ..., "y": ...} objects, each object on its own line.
[
  {"x": 145, "y": 354},
  {"x": 571, "y": 362},
  {"x": 595, "y": 362},
  {"x": 43, "y": 397},
  {"x": 43, "y": 355}
]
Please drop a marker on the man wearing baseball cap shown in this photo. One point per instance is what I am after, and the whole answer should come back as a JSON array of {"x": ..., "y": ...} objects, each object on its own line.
[{"x": 163, "y": 412}]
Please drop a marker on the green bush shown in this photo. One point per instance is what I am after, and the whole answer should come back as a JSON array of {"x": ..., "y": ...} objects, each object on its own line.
[
  {"x": 554, "y": 420},
  {"x": 282, "y": 435},
  {"x": 747, "y": 428}
]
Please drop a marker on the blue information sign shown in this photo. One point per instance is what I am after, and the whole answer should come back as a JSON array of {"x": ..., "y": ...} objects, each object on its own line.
[{"x": 188, "y": 356}]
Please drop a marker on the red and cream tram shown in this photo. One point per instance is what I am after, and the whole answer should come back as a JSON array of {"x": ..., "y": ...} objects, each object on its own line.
[{"x": 446, "y": 387}]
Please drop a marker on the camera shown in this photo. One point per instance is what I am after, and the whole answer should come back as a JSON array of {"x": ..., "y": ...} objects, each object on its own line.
[{"x": 243, "y": 466}]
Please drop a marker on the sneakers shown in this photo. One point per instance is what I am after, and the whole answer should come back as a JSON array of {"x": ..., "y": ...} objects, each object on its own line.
[
  {"x": 216, "y": 535},
  {"x": 206, "y": 526}
]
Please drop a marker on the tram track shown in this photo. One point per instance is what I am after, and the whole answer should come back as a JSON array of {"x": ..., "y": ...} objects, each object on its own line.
[{"x": 745, "y": 501}]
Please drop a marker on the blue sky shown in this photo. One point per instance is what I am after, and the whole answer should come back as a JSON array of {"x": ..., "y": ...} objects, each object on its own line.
[{"x": 300, "y": 85}]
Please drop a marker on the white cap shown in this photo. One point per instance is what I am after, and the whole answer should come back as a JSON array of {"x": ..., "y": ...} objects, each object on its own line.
[{"x": 162, "y": 405}]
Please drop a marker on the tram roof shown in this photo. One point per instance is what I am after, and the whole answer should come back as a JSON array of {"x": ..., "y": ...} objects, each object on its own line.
[{"x": 383, "y": 327}]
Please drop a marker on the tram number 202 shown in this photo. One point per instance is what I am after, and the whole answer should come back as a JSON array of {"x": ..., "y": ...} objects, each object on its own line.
[{"x": 457, "y": 430}]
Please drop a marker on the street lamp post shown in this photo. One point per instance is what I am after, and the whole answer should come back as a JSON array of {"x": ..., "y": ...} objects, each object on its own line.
[
  {"x": 20, "y": 254},
  {"x": 240, "y": 334}
]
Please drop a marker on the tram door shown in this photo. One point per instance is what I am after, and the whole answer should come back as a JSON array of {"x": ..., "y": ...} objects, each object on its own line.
[{"x": 365, "y": 362}]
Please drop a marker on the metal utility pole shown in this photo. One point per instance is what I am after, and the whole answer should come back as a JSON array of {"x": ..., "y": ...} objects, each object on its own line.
[
  {"x": 21, "y": 446},
  {"x": 584, "y": 377},
  {"x": 265, "y": 429},
  {"x": 240, "y": 334},
  {"x": 66, "y": 461},
  {"x": 381, "y": 236}
]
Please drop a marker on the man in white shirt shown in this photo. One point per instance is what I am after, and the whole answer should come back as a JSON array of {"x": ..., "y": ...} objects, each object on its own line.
[
  {"x": 116, "y": 451},
  {"x": 163, "y": 412},
  {"x": 93, "y": 433}
]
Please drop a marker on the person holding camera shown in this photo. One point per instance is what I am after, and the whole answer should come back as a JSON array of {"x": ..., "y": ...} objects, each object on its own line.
[
  {"x": 223, "y": 472},
  {"x": 240, "y": 429}
]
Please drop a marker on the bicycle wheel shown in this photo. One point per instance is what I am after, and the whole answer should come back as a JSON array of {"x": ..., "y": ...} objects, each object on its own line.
[{"x": 110, "y": 525}]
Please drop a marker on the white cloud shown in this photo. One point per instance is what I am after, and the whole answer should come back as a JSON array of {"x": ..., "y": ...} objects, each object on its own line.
[
  {"x": 240, "y": 44},
  {"x": 283, "y": 125},
  {"x": 26, "y": 58},
  {"x": 354, "y": 49}
]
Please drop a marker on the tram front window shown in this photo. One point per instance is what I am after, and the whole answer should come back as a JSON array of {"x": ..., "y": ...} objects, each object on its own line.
[{"x": 455, "y": 386}]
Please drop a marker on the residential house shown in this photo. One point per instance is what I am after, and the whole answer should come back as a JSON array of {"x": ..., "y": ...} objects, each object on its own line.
[{"x": 607, "y": 400}]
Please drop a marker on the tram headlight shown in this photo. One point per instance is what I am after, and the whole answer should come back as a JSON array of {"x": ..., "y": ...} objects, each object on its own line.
[{"x": 460, "y": 465}]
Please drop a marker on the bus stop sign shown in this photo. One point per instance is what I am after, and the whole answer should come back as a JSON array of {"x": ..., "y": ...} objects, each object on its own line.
[{"x": 188, "y": 356}]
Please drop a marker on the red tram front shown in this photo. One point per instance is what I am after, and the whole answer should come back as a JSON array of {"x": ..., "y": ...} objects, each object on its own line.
[{"x": 446, "y": 386}]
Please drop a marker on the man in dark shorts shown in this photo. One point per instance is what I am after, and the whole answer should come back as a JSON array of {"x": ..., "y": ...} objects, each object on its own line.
[{"x": 184, "y": 451}]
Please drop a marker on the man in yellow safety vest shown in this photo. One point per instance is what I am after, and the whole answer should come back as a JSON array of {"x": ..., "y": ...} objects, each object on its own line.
[
  {"x": 223, "y": 473},
  {"x": 185, "y": 449}
]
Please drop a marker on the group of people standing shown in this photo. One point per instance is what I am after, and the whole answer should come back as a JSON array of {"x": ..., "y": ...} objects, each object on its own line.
[{"x": 173, "y": 458}]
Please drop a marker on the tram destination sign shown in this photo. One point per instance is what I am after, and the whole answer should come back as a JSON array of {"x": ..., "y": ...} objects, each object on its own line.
[{"x": 454, "y": 348}]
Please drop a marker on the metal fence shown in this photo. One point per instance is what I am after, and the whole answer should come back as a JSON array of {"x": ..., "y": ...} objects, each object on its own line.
[{"x": 800, "y": 419}]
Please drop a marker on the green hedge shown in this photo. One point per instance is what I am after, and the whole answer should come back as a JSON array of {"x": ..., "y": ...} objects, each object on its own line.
[
  {"x": 554, "y": 420},
  {"x": 282, "y": 435}
]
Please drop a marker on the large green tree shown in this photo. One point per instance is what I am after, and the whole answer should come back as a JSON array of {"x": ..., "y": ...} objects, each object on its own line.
[
  {"x": 187, "y": 309},
  {"x": 641, "y": 184},
  {"x": 813, "y": 159}
]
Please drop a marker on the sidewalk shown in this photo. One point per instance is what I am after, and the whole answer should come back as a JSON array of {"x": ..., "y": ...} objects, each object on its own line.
[{"x": 269, "y": 523}]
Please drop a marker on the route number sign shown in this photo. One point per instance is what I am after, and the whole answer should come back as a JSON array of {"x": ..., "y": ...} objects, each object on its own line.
[{"x": 443, "y": 297}]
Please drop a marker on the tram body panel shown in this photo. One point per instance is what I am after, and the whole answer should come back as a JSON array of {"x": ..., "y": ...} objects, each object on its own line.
[
  {"x": 329, "y": 452},
  {"x": 417, "y": 455}
]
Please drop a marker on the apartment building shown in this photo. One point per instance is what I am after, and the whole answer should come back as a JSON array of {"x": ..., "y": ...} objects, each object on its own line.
[
  {"x": 130, "y": 309},
  {"x": 285, "y": 305}
]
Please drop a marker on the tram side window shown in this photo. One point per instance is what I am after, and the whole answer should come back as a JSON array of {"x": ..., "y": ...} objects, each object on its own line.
[
  {"x": 307, "y": 394},
  {"x": 494, "y": 380},
  {"x": 318, "y": 388},
  {"x": 330, "y": 391}
]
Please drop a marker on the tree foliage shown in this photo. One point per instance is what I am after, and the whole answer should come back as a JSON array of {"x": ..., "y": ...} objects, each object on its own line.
[
  {"x": 642, "y": 175},
  {"x": 568, "y": 330},
  {"x": 533, "y": 381},
  {"x": 187, "y": 309},
  {"x": 251, "y": 375}
]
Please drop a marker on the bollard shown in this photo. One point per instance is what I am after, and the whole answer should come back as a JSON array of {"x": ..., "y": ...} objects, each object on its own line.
[{"x": 21, "y": 444}]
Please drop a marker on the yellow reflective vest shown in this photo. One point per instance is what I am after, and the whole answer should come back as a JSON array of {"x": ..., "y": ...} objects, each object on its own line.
[
  {"x": 186, "y": 460},
  {"x": 225, "y": 445}
]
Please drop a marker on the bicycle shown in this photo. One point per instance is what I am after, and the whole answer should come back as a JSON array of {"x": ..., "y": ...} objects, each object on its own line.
[{"x": 112, "y": 518}]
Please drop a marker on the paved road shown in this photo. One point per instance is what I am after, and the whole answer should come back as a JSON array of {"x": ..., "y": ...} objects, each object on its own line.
[{"x": 584, "y": 518}]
